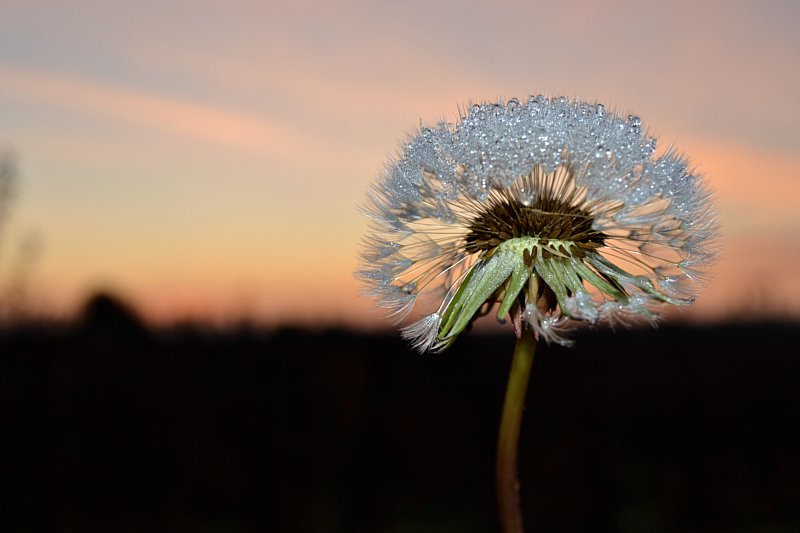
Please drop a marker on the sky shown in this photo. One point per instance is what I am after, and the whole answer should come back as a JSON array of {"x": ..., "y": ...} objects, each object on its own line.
[{"x": 205, "y": 160}]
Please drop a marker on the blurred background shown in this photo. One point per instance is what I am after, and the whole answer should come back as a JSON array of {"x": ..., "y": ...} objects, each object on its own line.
[
  {"x": 182, "y": 341},
  {"x": 206, "y": 160}
]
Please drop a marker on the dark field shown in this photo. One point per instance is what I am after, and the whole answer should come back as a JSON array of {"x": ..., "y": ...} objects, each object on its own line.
[{"x": 107, "y": 426}]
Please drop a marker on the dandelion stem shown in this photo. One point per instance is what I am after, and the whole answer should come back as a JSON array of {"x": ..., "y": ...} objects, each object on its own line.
[{"x": 508, "y": 440}]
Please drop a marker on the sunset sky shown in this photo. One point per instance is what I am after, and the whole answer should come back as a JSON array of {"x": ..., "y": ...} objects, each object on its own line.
[{"x": 204, "y": 160}]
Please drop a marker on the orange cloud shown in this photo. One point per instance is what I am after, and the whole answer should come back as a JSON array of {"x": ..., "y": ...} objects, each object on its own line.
[{"x": 180, "y": 117}]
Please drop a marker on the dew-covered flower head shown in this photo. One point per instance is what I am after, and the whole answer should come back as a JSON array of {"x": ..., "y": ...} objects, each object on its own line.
[{"x": 550, "y": 210}]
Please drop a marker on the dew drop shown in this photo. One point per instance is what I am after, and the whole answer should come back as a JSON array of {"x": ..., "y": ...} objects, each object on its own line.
[
  {"x": 409, "y": 287},
  {"x": 512, "y": 104},
  {"x": 600, "y": 152},
  {"x": 635, "y": 123},
  {"x": 600, "y": 110}
]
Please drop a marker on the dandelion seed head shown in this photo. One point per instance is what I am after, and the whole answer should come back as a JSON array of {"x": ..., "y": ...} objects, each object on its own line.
[{"x": 553, "y": 209}]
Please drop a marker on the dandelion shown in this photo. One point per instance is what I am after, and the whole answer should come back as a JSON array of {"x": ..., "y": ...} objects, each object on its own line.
[{"x": 554, "y": 211}]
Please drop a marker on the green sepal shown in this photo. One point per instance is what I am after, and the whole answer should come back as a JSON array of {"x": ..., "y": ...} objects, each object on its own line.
[
  {"x": 508, "y": 269},
  {"x": 513, "y": 287},
  {"x": 604, "y": 266},
  {"x": 457, "y": 301},
  {"x": 484, "y": 279},
  {"x": 602, "y": 284},
  {"x": 551, "y": 276}
]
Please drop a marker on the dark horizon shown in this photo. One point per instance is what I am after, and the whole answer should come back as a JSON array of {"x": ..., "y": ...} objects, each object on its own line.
[
  {"x": 110, "y": 425},
  {"x": 102, "y": 307}
]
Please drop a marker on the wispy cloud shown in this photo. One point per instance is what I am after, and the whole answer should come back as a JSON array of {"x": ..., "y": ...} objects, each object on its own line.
[{"x": 180, "y": 117}]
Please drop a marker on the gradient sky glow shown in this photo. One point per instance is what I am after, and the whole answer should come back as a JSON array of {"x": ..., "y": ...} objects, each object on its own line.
[{"x": 205, "y": 160}]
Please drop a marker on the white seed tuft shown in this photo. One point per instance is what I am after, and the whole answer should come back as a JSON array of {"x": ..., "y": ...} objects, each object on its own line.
[{"x": 654, "y": 211}]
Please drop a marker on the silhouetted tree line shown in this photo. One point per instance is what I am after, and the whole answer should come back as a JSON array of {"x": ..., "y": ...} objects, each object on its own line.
[{"x": 111, "y": 426}]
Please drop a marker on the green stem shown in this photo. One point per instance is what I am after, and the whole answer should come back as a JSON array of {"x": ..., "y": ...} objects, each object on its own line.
[{"x": 508, "y": 440}]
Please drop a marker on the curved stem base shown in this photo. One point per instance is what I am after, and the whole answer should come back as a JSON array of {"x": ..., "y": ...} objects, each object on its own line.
[{"x": 508, "y": 440}]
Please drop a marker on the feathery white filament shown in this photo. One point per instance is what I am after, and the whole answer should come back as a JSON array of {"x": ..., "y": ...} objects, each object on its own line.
[{"x": 652, "y": 211}]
